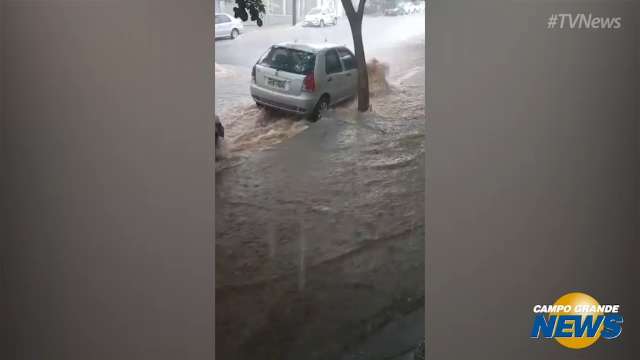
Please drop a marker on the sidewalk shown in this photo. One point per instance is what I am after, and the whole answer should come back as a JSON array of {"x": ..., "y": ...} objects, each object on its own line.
[{"x": 250, "y": 26}]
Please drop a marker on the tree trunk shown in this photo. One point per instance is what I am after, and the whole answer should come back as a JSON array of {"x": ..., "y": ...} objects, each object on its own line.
[
  {"x": 363, "y": 74},
  {"x": 355, "y": 22}
]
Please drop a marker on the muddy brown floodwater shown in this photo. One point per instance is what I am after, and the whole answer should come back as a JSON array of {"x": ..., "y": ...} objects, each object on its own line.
[{"x": 320, "y": 227}]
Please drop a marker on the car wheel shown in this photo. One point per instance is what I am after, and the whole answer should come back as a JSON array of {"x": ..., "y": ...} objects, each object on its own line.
[
  {"x": 234, "y": 33},
  {"x": 321, "y": 23},
  {"x": 321, "y": 107}
]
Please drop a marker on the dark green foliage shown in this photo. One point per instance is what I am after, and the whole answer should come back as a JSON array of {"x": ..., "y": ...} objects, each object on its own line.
[{"x": 249, "y": 9}]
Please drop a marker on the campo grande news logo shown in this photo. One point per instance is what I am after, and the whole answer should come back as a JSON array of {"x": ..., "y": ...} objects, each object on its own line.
[{"x": 576, "y": 320}]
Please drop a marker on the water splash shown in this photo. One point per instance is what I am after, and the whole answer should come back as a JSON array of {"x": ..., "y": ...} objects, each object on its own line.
[
  {"x": 249, "y": 128},
  {"x": 378, "y": 71}
]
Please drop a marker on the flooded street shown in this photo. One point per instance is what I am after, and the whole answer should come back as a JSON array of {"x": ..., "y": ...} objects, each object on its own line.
[{"x": 320, "y": 226}]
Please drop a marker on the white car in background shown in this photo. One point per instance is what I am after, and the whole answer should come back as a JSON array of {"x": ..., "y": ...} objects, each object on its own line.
[
  {"x": 320, "y": 17},
  {"x": 227, "y": 26},
  {"x": 409, "y": 8}
]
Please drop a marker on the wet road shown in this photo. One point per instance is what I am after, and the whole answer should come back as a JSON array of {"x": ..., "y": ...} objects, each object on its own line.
[
  {"x": 379, "y": 32},
  {"x": 320, "y": 227}
]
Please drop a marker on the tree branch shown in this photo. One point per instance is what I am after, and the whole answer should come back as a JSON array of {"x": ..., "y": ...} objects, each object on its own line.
[
  {"x": 361, "y": 8},
  {"x": 348, "y": 8}
]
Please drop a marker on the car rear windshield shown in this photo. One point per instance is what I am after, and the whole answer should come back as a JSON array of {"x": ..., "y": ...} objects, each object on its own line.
[
  {"x": 289, "y": 60},
  {"x": 314, "y": 11}
]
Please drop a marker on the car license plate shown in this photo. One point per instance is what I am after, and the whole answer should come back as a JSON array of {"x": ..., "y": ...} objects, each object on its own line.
[{"x": 280, "y": 84}]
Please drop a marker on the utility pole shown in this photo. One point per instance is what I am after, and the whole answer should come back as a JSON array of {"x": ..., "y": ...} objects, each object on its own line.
[{"x": 294, "y": 11}]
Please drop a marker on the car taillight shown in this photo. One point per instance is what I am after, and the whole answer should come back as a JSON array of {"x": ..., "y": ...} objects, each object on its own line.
[
  {"x": 253, "y": 73},
  {"x": 309, "y": 83}
]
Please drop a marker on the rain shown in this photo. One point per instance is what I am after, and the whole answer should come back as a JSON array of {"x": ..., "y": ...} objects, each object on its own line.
[{"x": 320, "y": 225}]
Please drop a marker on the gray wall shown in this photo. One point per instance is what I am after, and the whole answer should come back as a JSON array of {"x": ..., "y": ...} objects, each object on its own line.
[
  {"x": 532, "y": 174},
  {"x": 107, "y": 186}
]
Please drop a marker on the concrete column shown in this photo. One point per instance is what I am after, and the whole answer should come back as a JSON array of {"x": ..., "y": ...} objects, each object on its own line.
[{"x": 294, "y": 12}]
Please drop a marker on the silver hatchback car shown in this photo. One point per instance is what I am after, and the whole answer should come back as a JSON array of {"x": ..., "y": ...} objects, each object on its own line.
[{"x": 304, "y": 78}]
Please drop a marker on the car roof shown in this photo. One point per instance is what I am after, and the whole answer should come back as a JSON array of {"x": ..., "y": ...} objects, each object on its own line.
[{"x": 309, "y": 47}]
